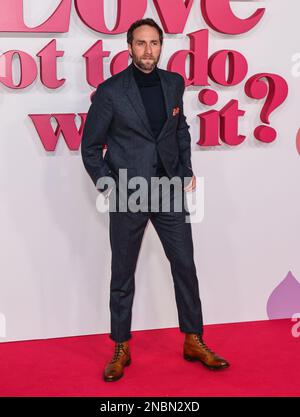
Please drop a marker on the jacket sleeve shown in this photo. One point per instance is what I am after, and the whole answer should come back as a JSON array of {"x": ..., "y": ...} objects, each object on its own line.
[
  {"x": 183, "y": 136},
  {"x": 97, "y": 123}
]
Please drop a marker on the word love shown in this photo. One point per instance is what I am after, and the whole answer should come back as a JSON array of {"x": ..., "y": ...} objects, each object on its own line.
[{"x": 217, "y": 14}]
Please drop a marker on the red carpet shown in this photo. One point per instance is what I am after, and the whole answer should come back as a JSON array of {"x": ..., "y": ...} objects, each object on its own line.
[{"x": 264, "y": 358}]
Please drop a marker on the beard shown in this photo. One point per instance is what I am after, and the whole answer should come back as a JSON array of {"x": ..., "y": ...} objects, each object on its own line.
[{"x": 146, "y": 62}]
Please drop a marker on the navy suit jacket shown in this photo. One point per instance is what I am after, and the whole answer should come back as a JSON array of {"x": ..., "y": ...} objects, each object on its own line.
[{"x": 117, "y": 117}]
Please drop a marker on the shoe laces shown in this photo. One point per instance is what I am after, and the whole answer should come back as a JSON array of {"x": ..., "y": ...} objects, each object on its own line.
[
  {"x": 119, "y": 347},
  {"x": 203, "y": 345}
]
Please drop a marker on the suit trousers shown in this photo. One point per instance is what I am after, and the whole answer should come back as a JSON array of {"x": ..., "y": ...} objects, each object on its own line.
[{"x": 126, "y": 230}]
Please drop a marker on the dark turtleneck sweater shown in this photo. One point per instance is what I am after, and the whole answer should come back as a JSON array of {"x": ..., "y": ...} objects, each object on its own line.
[{"x": 152, "y": 96}]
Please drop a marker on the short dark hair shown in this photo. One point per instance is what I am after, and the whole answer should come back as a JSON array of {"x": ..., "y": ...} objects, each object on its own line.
[{"x": 147, "y": 21}]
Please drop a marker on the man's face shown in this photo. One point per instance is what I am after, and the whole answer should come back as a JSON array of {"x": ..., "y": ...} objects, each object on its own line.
[{"x": 146, "y": 48}]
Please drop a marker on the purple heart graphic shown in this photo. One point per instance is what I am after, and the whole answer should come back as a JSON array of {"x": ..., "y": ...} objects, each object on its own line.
[{"x": 284, "y": 300}]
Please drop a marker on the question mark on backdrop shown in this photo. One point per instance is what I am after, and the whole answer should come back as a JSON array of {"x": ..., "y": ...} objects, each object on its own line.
[{"x": 275, "y": 89}]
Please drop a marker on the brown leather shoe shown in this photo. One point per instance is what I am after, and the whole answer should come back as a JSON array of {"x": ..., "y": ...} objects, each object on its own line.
[
  {"x": 196, "y": 350},
  {"x": 114, "y": 369}
]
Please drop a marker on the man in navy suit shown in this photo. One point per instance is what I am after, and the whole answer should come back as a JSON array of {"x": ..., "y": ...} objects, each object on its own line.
[{"x": 139, "y": 114}]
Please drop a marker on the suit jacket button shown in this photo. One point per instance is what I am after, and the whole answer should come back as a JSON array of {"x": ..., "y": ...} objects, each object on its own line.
[{"x": 154, "y": 165}]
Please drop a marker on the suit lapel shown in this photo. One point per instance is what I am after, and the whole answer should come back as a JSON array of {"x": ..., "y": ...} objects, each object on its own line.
[
  {"x": 168, "y": 95},
  {"x": 133, "y": 93}
]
